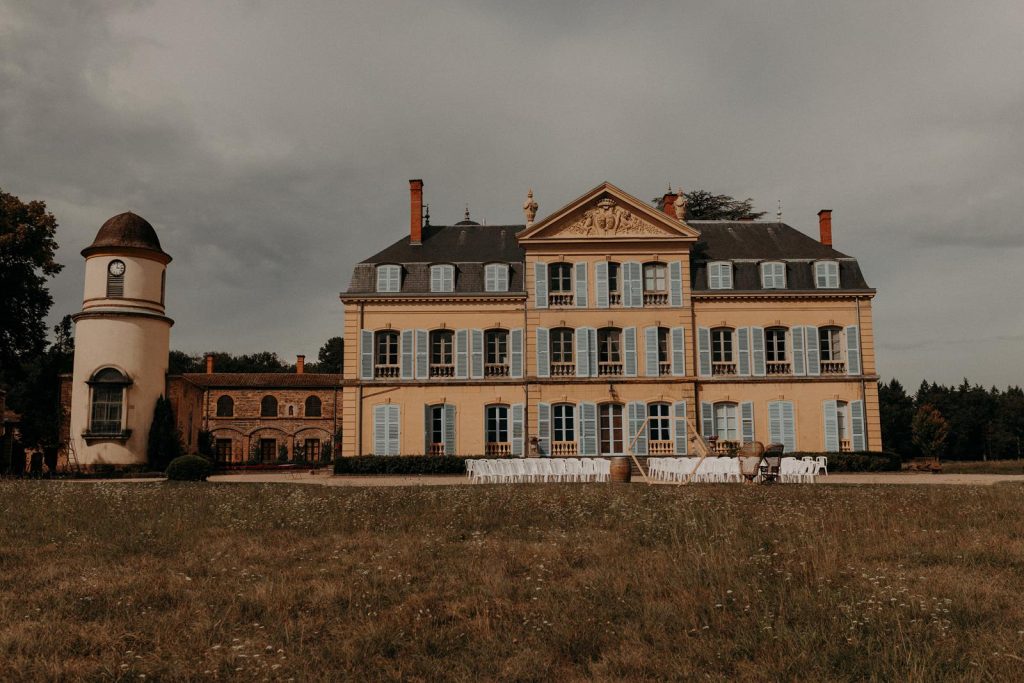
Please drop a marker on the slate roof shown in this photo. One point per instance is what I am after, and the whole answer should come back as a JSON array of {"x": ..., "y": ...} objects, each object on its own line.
[
  {"x": 470, "y": 247},
  {"x": 126, "y": 230},
  {"x": 264, "y": 380}
]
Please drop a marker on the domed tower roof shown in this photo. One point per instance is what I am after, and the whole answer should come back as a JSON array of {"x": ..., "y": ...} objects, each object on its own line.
[{"x": 126, "y": 231}]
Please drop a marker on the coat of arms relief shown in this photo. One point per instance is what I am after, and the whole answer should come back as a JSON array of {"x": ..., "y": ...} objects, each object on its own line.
[{"x": 607, "y": 219}]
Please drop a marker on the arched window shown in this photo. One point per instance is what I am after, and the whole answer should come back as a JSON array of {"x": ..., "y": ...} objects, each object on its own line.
[
  {"x": 268, "y": 407},
  {"x": 561, "y": 352},
  {"x": 442, "y": 355},
  {"x": 107, "y": 411},
  {"x": 775, "y": 351},
  {"x": 609, "y": 351},
  {"x": 225, "y": 406},
  {"x": 313, "y": 406},
  {"x": 115, "y": 279}
]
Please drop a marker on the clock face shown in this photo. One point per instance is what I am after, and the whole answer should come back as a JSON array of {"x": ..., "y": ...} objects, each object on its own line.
[{"x": 116, "y": 268}]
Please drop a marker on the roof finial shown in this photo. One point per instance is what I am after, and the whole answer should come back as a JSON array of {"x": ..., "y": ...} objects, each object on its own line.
[
  {"x": 466, "y": 215},
  {"x": 530, "y": 208},
  {"x": 778, "y": 214},
  {"x": 426, "y": 214}
]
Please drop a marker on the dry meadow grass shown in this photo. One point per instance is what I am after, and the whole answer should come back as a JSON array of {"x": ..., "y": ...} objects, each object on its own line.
[{"x": 530, "y": 582}]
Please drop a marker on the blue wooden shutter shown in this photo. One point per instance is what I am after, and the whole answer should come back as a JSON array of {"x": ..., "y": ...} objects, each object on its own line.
[
  {"x": 395, "y": 278},
  {"x": 853, "y": 350},
  {"x": 714, "y": 276},
  {"x": 394, "y": 429},
  {"x": 517, "y": 429},
  {"x": 477, "y": 354},
  {"x": 629, "y": 349},
  {"x": 544, "y": 428},
  {"x": 382, "y": 278},
  {"x": 380, "y": 429},
  {"x": 428, "y": 419},
  {"x": 707, "y": 419},
  {"x": 516, "y": 351},
  {"x": 601, "y": 284},
  {"x": 592, "y": 333},
  {"x": 704, "y": 351},
  {"x": 448, "y": 414},
  {"x": 651, "y": 351},
  {"x": 366, "y": 354},
  {"x": 490, "y": 278},
  {"x": 540, "y": 285},
  {"x": 858, "y": 426},
  {"x": 588, "y": 428},
  {"x": 788, "y": 426},
  {"x": 813, "y": 357},
  {"x": 637, "y": 414},
  {"x": 775, "y": 422},
  {"x": 675, "y": 284},
  {"x": 726, "y": 275},
  {"x": 678, "y": 339},
  {"x": 636, "y": 293},
  {"x": 757, "y": 351},
  {"x": 543, "y": 352},
  {"x": 501, "y": 280},
  {"x": 408, "y": 354},
  {"x": 626, "y": 283},
  {"x": 422, "y": 354},
  {"x": 462, "y": 354},
  {"x": 436, "y": 279},
  {"x": 747, "y": 421},
  {"x": 799, "y": 335},
  {"x": 830, "y": 408},
  {"x": 582, "y": 352},
  {"x": 581, "y": 284},
  {"x": 679, "y": 428},
  {"x": 743, "y": 351}
]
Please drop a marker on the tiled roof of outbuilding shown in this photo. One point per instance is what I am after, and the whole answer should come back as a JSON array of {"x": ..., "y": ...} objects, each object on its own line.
[{"x": 264, "y": 380}]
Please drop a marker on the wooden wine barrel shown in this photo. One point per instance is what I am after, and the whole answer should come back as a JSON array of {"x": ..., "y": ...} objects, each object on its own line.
[{"x": 621, "y": 469}]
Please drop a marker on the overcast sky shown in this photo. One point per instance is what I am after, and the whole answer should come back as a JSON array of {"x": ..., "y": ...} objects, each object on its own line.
[{"x": 270, "y": 144}]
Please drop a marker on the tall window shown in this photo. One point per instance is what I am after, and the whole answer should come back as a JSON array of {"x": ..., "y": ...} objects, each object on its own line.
[
  {"x": 726, "y": 427},
  {"x": 829, "y": 344},
  {"x": 313, "y": 406},
  {"x": 775, "y": 344},
  {"x": 268, "y": 407},
  {"x": 560, "y": 278},
  {"x": 435, "y": 428},
  {"x": 108, "y": 387},
  {"x": 608, "y": 345},
  {"x": 385, "y": 358},
  {"x": 224, "y": 450},
  {"x": 664, "y": 349},
  {"x": 442, "y": 278},
  {"x": 614, "y": 288},
  {"x": 225, "y": 406},
  {"x": 563, "y": 422},
  {"x": 115, "y": 279},
  {"x": 497, "y": 424},
  {"x": 655, "y": 277},
  {"x": 389, "y": 278},
  {"x": 610, "y": 428},
  {"x": 312, "y": 448},
  {"x": 441, "y": 345},
  {"x": 826, "y": 275},
  {"x": 843, "y": 424},
  {"x": 496, "y": 277},
  {"x": 720, "y": 275},
  {"x": 658, "y": 424},
  {"x": 773, "y": 275},
  {"x": 496, "y": 347},
  {"x": 561, "y": 345},
  {"x": 721, "y": 345}
]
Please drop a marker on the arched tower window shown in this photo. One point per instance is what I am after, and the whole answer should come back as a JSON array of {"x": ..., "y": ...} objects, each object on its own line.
[
  {"x": 225, "y": 406},
  {"x": 268, "y": 407},
  {"x": 106, "y": 414}
]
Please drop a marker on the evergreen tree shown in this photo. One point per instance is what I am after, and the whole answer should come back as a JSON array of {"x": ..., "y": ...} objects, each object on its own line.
[
  {"x": 897, "y": 412},
  {"x": 164, "y": 439},
  {"x": 930, "y": 431}
]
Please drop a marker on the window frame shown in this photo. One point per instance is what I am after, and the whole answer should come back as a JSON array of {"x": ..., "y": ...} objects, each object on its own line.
[
  {"x": 659, "y": 421},
  {"x": 225, "y": 400},
  {"x": 721, "y": 413},
  {"x": 442, "y": 345},
  {"x": 264, "y": 406},
  {"x": 609, "y": 345},
  {"x": 657, "y": 272},
  {"x": 611, "y": 430},
  {"x": 664, "y": 345},
  {"x": 497, "y": 423},
  {"x": 435, "y": 431},
  {"x": 498, "y": 338},
  {"x": 824, "y": 272},
  {"x": 775, "y": 343},
  {"x": 721, "y": 267},
  {"x": 614, "y": 277},
  {"x": 563, "y": 422},
  {"x": 830, "y": 344},
  {"x": 771, "y": 280},
  {"x": 726, "y": 342},
  {"x": 496, "y": 277},
  {"x": 566, "y": 338},
  {"x": 391, "y": 354},
  {"x": 442, "y": 278},
  {"x": 386, "y": 273},
  {"x": 107, "y": 398},
  {"x": 560, "y": 272},
  {"x": 318, "y": 403}
]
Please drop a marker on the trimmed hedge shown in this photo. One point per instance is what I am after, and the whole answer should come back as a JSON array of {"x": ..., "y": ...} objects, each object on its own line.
[
  {"x": 400, "y": 464},
  {"x": 862, "y": 461},
  {"x": 189, "y": 468}
]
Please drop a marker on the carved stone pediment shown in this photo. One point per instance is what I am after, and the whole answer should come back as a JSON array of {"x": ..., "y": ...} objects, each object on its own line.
[{"x": 608, "y": 219}]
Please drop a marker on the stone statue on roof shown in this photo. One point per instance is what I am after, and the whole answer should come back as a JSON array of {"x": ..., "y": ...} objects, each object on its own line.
[
  {"x": 530, "y": 207},
  {"x": 680, "y": 205}
]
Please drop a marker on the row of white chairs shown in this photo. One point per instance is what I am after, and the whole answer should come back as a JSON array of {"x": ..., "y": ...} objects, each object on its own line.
[
  {"x": 798, "y": 470},
  {"x": 522, "y": 470}
]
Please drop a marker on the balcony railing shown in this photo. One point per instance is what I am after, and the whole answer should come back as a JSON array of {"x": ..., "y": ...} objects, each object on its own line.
[
  {"x": 563, "y": 448},
  {"x": 615, "y": 298},
  {"x": 664, "y": 368},
  {"x": 777, "y": 367},
  {"x": 563, "y": 369},
  {"x": 660, "y": 448},
  {"x": 719, "y": 368},
  {"x": 386, "y": 371},
  {"x": 437, "y": 449},
  {"x": 609, "y": 369},
  {"x": 655, "y": 298},
  {"x": 499, "y": 449},
  {"x": 560, "y": 299},
  {"x": 496, "y": 370},
  {"x": 722, "y": 447},
  {"x": 833, "y": 367},
  {"x": 438, "y": 370},
  {"x": 845, "y": 446}
]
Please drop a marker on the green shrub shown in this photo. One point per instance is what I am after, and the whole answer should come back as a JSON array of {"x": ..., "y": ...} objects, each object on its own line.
[
  {"x": 402, "y": 464},
  {"x": 189, "y": 468},
  {"x": 862, "y": 461}
]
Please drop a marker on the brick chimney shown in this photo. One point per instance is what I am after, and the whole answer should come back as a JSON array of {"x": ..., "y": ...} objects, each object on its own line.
[
  {"x": 300, "y": 364},
  {"x": 209, "y": 364},
  {"x": 825, "y": 226},
  {"x": 416, "y": 211},
  {"x": 668, "y": 201}
]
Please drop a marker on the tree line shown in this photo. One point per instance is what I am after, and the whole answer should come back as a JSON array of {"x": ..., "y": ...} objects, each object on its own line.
[{"x": 330, "y": 359}]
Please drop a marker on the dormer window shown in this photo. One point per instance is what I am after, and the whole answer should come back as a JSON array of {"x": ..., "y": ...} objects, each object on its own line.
[
  {"x": 720, "y": 275},
  {"x": 773, "y": 275},
  {"x": 826, "y": 275},
  {"x": 442, "y": 278},
  {"x": 389, "y": 278},
  {"x": 496, "y": 277}
]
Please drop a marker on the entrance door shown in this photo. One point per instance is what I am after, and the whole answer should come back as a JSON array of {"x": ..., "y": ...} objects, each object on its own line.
[
  {"x": 268, "y": 450},
  {"x": 611, "y": 428}
]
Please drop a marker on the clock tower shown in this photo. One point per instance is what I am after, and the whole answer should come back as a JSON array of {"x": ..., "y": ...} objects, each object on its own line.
[{"x": 122, "y": 340}]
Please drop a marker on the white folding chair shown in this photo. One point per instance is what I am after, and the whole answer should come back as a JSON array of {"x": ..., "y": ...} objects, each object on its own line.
[{"x": 821, "y": 463}]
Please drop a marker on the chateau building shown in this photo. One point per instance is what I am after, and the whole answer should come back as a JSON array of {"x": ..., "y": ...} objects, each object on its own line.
[{"x": 606, "y": 327}]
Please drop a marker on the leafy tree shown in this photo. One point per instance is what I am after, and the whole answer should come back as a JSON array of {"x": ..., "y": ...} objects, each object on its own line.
[
  {"x": 706, "y": 206},
  {"x": 36, "y": 393},
  {"x": 179, "y": 362},
  {"x": 331, "y": 358},
  {"x": 27, "y": 248},
  {"x": 930, "y": 431},
  {"x": 164, "y": 438}
]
